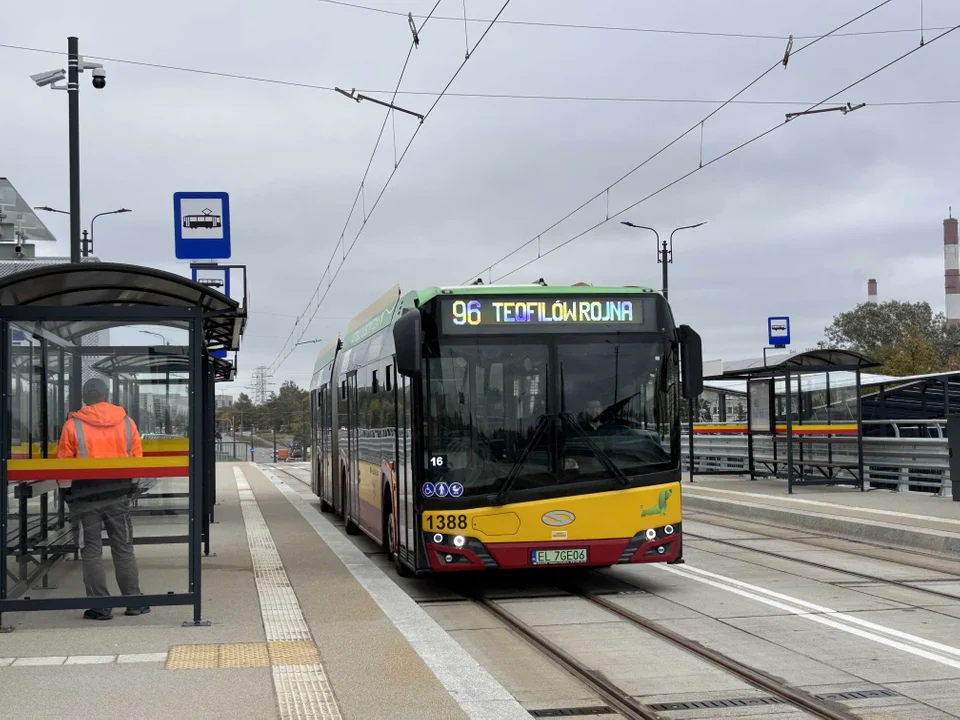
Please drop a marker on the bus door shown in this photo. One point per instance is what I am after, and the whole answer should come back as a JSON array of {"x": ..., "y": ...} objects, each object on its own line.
[
  {"x": 353, "y": 447},
  {"x": 406, "y": 523},
  {"x": 318, "y": 452}
]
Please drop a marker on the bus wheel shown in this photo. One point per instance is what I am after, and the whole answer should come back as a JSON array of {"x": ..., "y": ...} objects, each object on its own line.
[{"x": 390, "y": 542}]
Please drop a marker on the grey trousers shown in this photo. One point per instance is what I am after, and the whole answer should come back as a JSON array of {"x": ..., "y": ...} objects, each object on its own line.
[{"x": 89, "y": 521}]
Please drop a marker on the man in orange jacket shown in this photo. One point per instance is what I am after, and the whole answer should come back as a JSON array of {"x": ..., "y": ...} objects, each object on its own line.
[{"x": 102, "y": 430}]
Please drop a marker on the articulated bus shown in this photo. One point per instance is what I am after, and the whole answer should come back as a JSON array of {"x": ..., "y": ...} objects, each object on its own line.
[{"x": 495, "y": 427}]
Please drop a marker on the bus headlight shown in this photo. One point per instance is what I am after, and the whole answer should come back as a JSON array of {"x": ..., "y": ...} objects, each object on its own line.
[
  {"x": 459, "y": 541},
  {"x": 651, "y": 534},
  {"x": 668, "y": 529},
  {"x": 438, "y": 538}
]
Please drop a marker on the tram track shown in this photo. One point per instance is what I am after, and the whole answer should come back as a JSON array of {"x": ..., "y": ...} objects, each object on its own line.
[
  {"x": 920, "y": 559},
  {"x": 614, "y": 696},
  {"x": 619, "y": 699},
  {"x": 796, "y": 697},
  {"x": 823, "y": 566}
]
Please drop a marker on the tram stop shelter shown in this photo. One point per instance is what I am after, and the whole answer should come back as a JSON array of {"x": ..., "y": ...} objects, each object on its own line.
[
  {"x": 804, "y": 416},
  {"x": 159, "y": 343}
]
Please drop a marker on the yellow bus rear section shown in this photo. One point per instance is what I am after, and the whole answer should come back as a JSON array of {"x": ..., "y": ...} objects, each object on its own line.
[{"x": 598, "y": 516}]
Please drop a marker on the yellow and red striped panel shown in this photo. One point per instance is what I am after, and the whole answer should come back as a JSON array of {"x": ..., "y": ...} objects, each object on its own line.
[
  {"x": 165, "y": 447},
  {"x": 152, "y": 447},
  {"x": 812, "y": 429},
  {"x": 120, "y": 468}
]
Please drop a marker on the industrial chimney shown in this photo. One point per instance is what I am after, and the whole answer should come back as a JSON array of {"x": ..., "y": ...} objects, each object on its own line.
[
  {"x": 871, "y": 290},
  {"x": 951, "y": 266}
]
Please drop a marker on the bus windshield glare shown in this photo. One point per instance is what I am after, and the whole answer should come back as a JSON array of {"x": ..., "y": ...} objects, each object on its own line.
[{"x": 542, "y": 415}]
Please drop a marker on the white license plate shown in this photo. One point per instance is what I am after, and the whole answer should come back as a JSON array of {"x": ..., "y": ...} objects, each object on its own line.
[{"x": 558, "y": 557}]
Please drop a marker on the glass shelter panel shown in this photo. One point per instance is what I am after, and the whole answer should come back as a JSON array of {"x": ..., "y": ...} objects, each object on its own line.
[{"x": 99, "y": 463}]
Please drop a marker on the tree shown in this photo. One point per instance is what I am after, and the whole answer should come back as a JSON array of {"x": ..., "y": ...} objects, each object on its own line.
[
  {"x": 907, "y": 337},
  {"x": 912, "y": 355}
]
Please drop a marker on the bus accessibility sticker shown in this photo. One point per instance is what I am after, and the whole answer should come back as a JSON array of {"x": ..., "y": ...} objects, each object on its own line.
[
  {"x": 428, "y": 489},
  {"x": 456, "y": 490}
]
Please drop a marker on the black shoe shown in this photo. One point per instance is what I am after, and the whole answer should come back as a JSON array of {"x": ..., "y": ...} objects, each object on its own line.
[
  {"x": 97, "y": 615},
  {"x": 143, "y": 610}
]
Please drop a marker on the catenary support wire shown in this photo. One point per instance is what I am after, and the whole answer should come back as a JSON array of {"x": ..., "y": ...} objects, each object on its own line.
[
  {"x": 742, "y": 145},
  {"x": 682, "y": 135},
  {"x": 285, "y": 352}
]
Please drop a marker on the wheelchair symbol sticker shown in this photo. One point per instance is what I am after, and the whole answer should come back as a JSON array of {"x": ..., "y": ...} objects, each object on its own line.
[{"x": 428, "y": 489}]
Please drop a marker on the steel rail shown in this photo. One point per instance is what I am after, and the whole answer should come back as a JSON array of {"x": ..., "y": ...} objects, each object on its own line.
[
  {"x": 789, "y": 694},
  {"x": 617, "y": 698}
]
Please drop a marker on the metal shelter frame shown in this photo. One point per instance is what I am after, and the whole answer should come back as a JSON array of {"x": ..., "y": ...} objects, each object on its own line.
[
  {"x": 765, "y": 373},
  {"x": 65, "y": 304}
]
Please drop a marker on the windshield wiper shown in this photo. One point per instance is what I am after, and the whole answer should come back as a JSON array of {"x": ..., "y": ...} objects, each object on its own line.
[
  {"x": 601, "y": 455},
  {"x": 501, "y": 496}
]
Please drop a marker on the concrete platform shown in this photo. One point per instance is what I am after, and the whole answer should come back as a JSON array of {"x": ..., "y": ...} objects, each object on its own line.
[
  {"x": 303, "y": 625},
  {"x": 907, "y": 521}
]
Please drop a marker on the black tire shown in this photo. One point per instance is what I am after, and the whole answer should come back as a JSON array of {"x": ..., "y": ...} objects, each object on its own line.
[
  {"x": 326, "y": 507},
  {"x": 388, "y": 539},
  {"x": 402, "y": 570}
]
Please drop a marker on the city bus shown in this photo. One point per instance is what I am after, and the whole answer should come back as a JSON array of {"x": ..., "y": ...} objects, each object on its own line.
[{"x": 498, "y": 427}]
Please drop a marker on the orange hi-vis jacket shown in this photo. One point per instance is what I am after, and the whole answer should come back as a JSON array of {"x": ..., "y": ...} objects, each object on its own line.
[{"x": 99, "y": 431}]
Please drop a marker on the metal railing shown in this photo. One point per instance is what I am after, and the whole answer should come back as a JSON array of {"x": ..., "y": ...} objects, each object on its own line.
[
  {"x": 231, "y": 450},
  {"x": 907, "y": 464}
]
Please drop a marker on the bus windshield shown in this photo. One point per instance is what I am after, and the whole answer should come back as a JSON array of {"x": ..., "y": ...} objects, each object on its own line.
[{"x": 514, "y": 417}]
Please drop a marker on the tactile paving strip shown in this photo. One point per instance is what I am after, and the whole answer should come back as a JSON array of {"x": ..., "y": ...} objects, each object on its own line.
[
  {"x": 243, "y": 655},
  {"x": 303, "y": 690},
  {"x": 193, "y": 657}
]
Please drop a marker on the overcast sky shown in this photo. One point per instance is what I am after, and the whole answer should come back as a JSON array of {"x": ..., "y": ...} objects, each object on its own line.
[{"x": 796, "y": 223}]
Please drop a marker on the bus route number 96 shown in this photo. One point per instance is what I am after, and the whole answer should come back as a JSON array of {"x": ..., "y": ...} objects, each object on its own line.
[
  {"x": 466, "y": 313},
  {"x": 445, "y": 521}
]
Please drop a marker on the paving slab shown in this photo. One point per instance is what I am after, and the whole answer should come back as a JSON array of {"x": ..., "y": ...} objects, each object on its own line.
[
  {"x": 640, "y": 663},
  {"x": 872, "y": 661},
  {"x": 531, "y": 678},
  {"x": 769, "y": 657}
]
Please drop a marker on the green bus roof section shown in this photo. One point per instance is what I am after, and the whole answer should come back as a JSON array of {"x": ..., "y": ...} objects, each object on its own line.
[{"x": 385, "y": 311}]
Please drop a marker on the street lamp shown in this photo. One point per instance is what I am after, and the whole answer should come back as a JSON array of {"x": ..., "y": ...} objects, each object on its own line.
[
  {"x": 166, "y": 406},
  {"x": 75, "y": 66},
  {"x": 664, "y": 255},
  {"x": 87, "y": 246}
]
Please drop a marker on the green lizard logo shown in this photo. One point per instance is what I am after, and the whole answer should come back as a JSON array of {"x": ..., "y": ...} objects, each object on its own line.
[{"x": 661, "y": 507}]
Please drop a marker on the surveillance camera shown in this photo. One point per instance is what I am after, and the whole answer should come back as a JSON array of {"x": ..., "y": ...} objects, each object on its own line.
[
  {"x": 48, "y": 78},
  {"x": 99, "y": 78}
]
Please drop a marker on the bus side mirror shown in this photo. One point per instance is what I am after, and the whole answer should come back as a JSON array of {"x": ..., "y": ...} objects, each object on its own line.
[
  {"x": 408, "y": 341},
  {"x": 691, "y": 362}
]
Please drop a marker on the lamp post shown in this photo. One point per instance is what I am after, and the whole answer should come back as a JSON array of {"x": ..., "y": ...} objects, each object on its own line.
[
  {"x": 75, "y": 66},
  {"x": 664, "y": 255},
  {"x": 87, "y": 245},
  {"x": 166, "y": 406}
]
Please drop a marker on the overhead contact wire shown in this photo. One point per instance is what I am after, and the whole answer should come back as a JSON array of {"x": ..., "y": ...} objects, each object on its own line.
[
  {"x": 727, "y": 153},
  {"x": 673, "y": 142}
]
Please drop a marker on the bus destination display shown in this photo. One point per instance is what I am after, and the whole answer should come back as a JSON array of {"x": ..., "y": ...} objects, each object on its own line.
[{"x": 472, "y": 315}]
